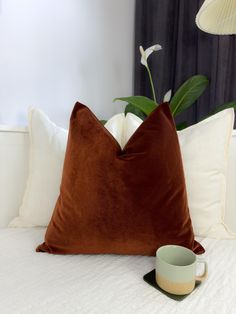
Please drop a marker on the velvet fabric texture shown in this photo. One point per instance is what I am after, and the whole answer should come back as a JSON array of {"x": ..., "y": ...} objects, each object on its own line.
[{"x": 122, "y": 201}]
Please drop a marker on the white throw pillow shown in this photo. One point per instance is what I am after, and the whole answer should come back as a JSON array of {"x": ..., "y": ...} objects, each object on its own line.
[
  {"x": 205, "y": 151},
  {"x": 115, "y": 126},
  {"x": 47, "y": 150},
  {"x": 230, "y": 213},
  {"x": 122, "y": 127}
]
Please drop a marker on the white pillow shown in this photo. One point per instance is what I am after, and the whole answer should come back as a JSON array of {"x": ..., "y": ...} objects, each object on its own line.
[
  {"x": 47, "y": 150},
  {"x": 122, "y": 127},
  {"x": 205, "y": 150},
  {"x": 115, "y": 126},
  {"x": 230, "y": 213}
]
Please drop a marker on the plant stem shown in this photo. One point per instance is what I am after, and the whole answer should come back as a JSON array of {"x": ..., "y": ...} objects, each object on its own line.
[{"x": 152, "y": 86}]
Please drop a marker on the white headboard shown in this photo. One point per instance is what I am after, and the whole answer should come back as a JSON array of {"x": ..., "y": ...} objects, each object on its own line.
[{"x": 13, "y": 170}]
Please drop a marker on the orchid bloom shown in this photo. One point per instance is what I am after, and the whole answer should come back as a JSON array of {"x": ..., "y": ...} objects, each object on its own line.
[
  {"x": 146, "y": 53},
  {"x": 144, "y": 57}
]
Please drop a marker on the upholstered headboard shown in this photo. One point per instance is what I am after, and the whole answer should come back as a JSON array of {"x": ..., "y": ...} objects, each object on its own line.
[{"x": 14, "y": 144}]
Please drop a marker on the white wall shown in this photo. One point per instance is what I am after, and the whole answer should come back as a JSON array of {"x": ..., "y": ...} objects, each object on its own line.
[{"x": 54, "y": 52}]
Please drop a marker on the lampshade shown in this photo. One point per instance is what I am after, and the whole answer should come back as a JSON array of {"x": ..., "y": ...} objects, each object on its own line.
[{"x": 217, "y": 17}]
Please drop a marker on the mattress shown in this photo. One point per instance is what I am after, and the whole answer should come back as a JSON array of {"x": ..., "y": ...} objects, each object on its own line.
[{"x": 33, "y": 282}]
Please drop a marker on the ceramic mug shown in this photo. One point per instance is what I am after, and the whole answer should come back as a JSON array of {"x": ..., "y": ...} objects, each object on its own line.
[{"x": 176, "y": 269}]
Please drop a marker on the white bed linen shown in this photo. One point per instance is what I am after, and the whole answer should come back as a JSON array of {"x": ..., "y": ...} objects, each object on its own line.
[{"x": 33, "y": 282}]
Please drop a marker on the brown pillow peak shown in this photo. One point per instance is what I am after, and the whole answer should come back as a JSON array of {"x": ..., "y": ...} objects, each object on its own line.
[{"x": 129, "y": 201}]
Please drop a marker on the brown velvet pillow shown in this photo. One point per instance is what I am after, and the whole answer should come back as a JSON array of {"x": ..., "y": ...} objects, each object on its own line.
[{"x": 129, "y": 201}]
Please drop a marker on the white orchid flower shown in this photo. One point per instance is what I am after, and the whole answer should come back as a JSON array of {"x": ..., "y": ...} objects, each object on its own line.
[
  {"x": 167, "y": 96},
  {"x": 146, "y": 53}
]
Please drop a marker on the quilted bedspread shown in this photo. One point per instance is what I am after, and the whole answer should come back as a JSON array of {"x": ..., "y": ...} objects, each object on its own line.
[{"x": 33, "y": 282}]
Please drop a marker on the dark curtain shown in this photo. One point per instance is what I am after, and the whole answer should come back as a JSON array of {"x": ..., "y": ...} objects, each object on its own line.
[{"x": 186, "y": 51}]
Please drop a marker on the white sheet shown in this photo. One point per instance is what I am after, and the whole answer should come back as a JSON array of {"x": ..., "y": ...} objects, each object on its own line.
[{"x": 33, "y": 282}]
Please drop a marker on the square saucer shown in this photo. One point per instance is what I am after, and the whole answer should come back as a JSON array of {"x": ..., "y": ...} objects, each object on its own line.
[{"x": 150, "y": 278}]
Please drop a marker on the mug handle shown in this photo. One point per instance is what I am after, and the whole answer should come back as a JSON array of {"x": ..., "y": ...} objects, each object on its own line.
[{"x": 202, "y": 277}]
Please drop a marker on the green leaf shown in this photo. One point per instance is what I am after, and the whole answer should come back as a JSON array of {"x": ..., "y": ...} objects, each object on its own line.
[
  {"x": 145, "y": 104},
  {"x": 135, "y": 110},
  {"x": 103, "y": 121},
  {"x": 188, "y": 93},
  {"x": 227, "y": 105},
  {"x": 182, "y": 125}
]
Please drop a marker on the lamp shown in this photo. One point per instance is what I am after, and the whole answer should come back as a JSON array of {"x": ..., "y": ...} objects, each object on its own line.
[{"x": 217, "y": 17}]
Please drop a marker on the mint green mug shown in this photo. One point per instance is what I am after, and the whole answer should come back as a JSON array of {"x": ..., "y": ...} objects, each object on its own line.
[{"x": 176, "y": 269}]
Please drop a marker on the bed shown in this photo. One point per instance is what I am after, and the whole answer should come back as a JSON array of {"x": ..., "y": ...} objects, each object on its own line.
[
  {"x": 33, "y": 282},
  {"x": 41, "y": 283}
]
